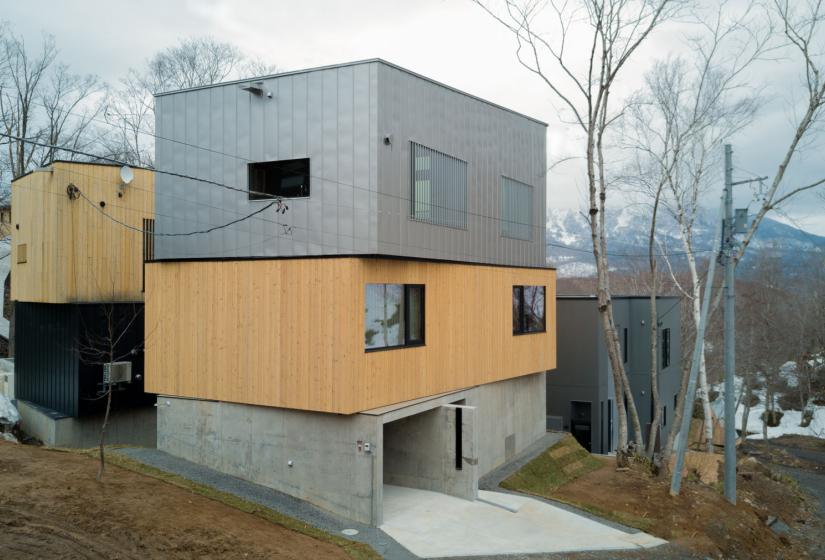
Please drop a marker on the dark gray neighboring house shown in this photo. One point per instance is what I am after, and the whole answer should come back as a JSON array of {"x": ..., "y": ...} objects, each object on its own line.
[{"x": 580, "y": 395}]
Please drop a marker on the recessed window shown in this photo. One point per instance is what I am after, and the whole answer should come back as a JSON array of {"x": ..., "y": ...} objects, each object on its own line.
[
  {"x": 22, "y": 253},
  {"x": 516, "y": 209},
  {"x": 288, "y": 178},
  {"x": 393, "y": 316},
  {"x": 528, "y": 309},
  {"x": 665, "y": 348},
  {"x": 624, "y": 346},
  {"x": 438, "y": 187}
]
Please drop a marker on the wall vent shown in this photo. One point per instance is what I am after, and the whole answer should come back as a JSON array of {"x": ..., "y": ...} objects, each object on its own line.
[
  {"x": 555, "y": 423},
  {"x": 117, "y": 372}
]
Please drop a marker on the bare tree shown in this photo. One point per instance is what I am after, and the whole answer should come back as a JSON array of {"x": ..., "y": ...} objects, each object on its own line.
[
  {"x": 687, "y": 107},
  {"x": 102, "y": 348},
  {"x": 803, "y": 25},
  {"x": 192, "y": 62},
  {"x": 613, "y": 30},
  {"x": 38, "y": 96}
]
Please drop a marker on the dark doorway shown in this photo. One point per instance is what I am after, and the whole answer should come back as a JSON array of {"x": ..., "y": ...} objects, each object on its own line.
[{"x": 580, "y": 423}]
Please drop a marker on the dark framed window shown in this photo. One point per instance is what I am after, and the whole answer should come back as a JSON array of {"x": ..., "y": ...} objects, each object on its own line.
[
  {"x": 438, "y": 193},
  {"x": 528, "y": 309},
  {"x": 665, "y": 348},
  {"x": 288, "y": 178},
  {"x": 393, "y": 316},
  {"x": 624, "y": 345}
]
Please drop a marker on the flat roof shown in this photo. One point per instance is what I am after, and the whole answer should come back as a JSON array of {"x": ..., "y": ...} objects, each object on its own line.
[
  {"x": 344, "y": 65},
  {"x": 45, "y": 168}
]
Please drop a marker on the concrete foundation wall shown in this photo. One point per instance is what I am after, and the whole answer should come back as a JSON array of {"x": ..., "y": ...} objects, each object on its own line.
[
  {"x": 131, "y": 426},
  {"x": 331, "y": 467},
  {"x": 257, "y": 444},
  {"x": 511, "y": 416},
  {"x": 420, "y": 452}
]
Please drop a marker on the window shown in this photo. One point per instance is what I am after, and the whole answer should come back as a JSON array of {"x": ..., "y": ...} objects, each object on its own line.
[
  {"x": 624, "y": 345},
  {"x": 438, "y": 188},
  {"x": 665, "y": 348},
  {"x": 528, "y": 309},
  {"x": 22, "y": 253},
  {"x": 664, "y": 416},
  {"x": 516, "y": 209},
  {"x": 393, "y": 316},
  {"x": 287, "y": 178},
  {"x": 675, "y": 401}
]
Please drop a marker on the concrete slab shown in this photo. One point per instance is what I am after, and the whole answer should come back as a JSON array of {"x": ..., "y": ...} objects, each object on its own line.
[{"x": 433, "y": 525}]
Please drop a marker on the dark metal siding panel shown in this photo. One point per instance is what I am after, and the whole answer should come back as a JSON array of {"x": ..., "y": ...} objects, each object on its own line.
[
  {"x": 49, "y": 371},
  {"x": 46, "y": 360}
]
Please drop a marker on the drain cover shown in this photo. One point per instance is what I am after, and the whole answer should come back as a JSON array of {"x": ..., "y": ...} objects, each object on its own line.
[{"x": 350, "y": 532}]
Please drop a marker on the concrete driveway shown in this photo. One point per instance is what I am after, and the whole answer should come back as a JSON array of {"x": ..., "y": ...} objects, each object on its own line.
[{"x": 433, "y": 525}]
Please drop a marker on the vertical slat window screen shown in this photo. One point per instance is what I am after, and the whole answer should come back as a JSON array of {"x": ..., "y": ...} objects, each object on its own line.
[
  {"x": 516, "y": 209},
  {"x": 438, "y": 188},
  {"x": 148, "y": 245}
]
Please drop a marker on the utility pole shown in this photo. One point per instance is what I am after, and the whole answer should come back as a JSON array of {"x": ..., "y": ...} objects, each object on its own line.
[
  {"x": 730, "y": 333},
  {"x": 733, "y": 225}
]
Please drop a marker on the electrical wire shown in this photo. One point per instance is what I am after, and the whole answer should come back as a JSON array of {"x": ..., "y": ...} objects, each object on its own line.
[
  {"x": 186, "y": 234},
  {"x": 254, "y": 214}
]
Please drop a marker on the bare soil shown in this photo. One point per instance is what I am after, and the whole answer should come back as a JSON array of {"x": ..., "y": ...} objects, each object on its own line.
[
  {"x": 51, "y": 506},
  {"x": 700, "y": 520}
]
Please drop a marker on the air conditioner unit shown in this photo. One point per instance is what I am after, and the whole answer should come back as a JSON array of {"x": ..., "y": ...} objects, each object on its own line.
[
  {"x": 555, "y": 423},
  {"x": 117, "y": 372}
]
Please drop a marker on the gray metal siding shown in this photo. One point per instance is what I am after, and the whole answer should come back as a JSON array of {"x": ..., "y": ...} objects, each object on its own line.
[
  {"x": 360, "y": 201},
  {"x": 577, "y": 373},
  {"x": 584, "y": 371},
  {"x": 492, "y": 141},
  {"x": 328, "y": 116}
]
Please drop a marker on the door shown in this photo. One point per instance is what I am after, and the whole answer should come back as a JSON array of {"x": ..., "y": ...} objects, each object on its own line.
[{"x": 580, "y": 423}]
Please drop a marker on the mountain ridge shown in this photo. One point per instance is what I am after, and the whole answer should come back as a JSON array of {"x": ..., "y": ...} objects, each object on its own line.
[{"x": 568, "y": 241}]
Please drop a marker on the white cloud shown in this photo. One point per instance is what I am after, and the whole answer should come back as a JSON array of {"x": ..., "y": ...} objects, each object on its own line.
[{"x": 452, "y": 41}]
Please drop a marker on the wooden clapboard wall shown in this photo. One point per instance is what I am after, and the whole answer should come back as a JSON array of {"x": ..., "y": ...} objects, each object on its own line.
[
  {"x": 69, "y": 251},
  {"x": 290, "y": 332}
]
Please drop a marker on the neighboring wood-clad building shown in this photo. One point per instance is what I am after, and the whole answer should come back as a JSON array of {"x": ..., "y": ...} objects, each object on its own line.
[
  {"x": 77, "y": 265},
  {"x": 392, "y": 326}
]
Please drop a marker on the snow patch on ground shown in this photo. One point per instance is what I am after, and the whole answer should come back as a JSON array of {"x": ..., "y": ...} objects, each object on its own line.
[{"x": 788, "y": 425}]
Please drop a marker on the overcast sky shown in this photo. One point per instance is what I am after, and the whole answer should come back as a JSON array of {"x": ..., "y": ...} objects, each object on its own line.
[{"x": 452, "y": 41}]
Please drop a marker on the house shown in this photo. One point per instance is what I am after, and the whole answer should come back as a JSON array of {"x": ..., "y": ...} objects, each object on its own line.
[
  {"x": 77, "y": 269},
  {"x": 580, "y": 393},
  {"x": 391, "y": 324}
]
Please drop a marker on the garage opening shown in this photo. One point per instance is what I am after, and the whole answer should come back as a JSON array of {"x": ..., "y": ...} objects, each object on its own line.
[{"x": 432, "y": 450}]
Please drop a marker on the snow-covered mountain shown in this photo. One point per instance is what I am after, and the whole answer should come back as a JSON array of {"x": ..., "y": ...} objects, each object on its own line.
[{"x": 568, "y": 241}]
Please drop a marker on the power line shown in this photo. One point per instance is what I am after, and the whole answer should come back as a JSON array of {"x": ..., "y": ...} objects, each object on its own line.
[
  {"x": 247, "y": 191},
  {"x": 186, "y": 234}
]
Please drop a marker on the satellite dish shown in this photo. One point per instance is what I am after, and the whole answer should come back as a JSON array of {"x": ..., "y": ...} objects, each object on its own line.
[{"x": 126, "y": 175}]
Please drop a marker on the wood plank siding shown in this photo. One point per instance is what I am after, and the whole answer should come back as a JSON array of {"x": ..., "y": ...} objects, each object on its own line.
[
  {"x": 75, "y": 253},
  {"x": 290, "y": 332}
]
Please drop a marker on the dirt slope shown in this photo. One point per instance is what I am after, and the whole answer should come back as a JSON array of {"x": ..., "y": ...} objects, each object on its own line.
[{"x": 52, "y": 507}]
